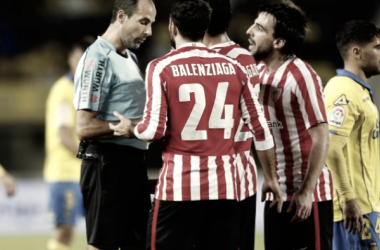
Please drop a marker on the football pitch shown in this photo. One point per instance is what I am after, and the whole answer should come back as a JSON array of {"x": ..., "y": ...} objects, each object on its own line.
[{"x": 38, "y": 242}]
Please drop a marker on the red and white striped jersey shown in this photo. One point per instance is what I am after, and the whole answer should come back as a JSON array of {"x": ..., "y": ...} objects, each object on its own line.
[
  {"x": 292, "y": 98},
  {"x": 246, "y": 179},
  {"x": 195, "y": 98}
]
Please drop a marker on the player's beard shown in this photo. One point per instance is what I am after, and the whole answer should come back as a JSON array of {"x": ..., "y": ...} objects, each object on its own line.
[
  {"x": 370, "y": 68},
  {"x": 262, "y": 52}
]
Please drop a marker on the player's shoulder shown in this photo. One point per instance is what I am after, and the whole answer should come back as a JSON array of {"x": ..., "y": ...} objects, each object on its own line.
[
  {"x": 338, "y": 85},
  {"x": 260, "y": 66},
  {"x": 301, "y": 70}
]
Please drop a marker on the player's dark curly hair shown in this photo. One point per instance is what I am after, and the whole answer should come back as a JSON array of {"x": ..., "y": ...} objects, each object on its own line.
[
  {"x": 220, "y": 17},
  {"x": 129, "y": 6},
  {"x": 290, "y": 24},
  {"x": 357, "y": 32},
  {"x": 191, "y": 18}
]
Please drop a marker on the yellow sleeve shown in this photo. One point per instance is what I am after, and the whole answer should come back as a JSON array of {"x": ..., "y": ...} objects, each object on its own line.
[{"x": 337, "y": 164}]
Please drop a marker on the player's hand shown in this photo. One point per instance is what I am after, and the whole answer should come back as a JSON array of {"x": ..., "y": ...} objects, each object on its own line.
[
  {"x": 302, "y": 201},
  {"x": 353, "y": 217},
  {"x": 9, "y": 184},
  {"x": 274, "y": 188},
  {"x": 124, "y": 128}
]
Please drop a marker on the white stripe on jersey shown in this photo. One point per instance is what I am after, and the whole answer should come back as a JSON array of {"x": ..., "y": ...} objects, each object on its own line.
[
  {"x": 251, "y": 178},
  {"x": 195, "y": 178},
  {"x": 230, "y": 192},
  {"x": 327, "y": 186},
  {"x": 212, "y": 178},
  {"x": 177, "y": 177}
]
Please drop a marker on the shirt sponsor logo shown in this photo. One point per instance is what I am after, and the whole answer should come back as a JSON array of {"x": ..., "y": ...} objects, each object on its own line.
[
  {"x": 337, "y": 117},
  {"x": 275, "y": 124},
  {"x": 88, "y": 77},
  {"x": 341, "y": 100},
  {"x": 208, "y": 69},
  {"x": 98, "y": 75},
  {"x": 366, "y": 98}
]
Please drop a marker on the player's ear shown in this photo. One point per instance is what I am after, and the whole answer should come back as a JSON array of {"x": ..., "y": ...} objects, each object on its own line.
[
  {"x": 356, "y": 51},
  {"x": 278, "y": 43},
  {"x": 173, "y": 28},
  {"x": 121, "y": 15}
]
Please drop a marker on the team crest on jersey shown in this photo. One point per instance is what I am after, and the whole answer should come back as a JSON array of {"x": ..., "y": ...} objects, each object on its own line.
[
  {"x": 341, "y": 100},
  {"x": 373, "y": 246},
  {"x": 337, "y": 116},
  {"x": 275, "y": 94}
]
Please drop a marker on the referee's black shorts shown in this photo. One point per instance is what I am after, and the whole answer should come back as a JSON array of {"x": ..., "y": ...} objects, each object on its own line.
[
  {"x": 315, "y": 233},
  {"x": 200, "y": 225},
  {"x": 116, "y": 197}
]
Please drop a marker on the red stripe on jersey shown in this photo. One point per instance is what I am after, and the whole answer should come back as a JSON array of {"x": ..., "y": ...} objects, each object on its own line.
[
  {"x": 317, "y": 230},
  {"x": 169, "y": 177},
  {"x": 300, "y": 79},
  {"x": 253, "y": 171},
  {"x": 221, "y": 177},
  {"x": 203, "y": 175},
  {"x": 322, "y": 190},
  {"x": 154, "y": 225},
  {"x": 285, "y": 137},
  {"x": 161, "y": 178},
  {"x": 186, "y": 180}
]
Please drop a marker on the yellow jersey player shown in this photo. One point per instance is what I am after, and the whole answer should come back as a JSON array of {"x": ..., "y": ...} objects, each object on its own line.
[
  {"x": 62, "y": 168},
  {"x": 354, "y": 138}
]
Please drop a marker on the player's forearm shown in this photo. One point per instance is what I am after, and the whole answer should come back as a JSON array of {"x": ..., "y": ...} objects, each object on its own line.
[
  {"x": 267, "y": 161},
  {"x": 338, "y": 167},
  {"x": 317, "y": 156},
  {"x": 89, "y": 127},
  {"x": 68, "y": 140}
]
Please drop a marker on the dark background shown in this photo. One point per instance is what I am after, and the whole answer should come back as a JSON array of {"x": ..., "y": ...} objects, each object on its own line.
[{"x": 35, "y": 36}]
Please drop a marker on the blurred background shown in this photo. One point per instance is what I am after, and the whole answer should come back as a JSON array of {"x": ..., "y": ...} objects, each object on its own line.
[{"x": 35, "y": 36}]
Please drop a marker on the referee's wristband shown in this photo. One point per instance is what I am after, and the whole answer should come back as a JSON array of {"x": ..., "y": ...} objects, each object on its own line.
[{"x": 2, "y": 171}]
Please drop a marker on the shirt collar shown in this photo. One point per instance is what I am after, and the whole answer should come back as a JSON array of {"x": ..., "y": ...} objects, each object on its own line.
[
  {"x": 343, "y": 72},
  {"x": 192, "y": 44},
  {"x": 225, "y": 44},
  {"x": 110, "y": 46}
]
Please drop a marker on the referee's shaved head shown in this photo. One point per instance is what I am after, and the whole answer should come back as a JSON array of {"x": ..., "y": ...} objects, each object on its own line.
[{"x": 220, "y": 16}]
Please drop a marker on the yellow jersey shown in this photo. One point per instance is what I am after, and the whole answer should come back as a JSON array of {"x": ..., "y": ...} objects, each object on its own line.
[
  {"x": 352, "y": 113},
  {"x": 60, "y": 163}
]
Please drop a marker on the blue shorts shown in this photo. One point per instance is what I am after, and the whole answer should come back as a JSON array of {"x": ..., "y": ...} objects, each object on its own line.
[
  {"x": 65, "y": 203},
  {"x": 369, "y": 238}
]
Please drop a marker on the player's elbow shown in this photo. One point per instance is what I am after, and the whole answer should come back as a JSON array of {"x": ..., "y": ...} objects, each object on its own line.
[{"x": 81, "y": 133}]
